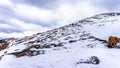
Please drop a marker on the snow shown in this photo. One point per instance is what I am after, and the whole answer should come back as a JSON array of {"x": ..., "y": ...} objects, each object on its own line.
[
  {"x": 68, "y": 55},
  {"x": 66, "y": 58}
]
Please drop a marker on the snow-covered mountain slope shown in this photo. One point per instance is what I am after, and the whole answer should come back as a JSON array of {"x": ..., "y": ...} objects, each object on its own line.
[{"x": 70, "y": 46}]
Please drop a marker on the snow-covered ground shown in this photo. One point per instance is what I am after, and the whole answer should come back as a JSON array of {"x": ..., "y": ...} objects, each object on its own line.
[
  {"x": 66, "y": 58},
  {"x": 68, "y": 55}
]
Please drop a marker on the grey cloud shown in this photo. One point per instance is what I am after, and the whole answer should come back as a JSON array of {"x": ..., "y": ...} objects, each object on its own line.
[
  {"x": 37, "y": 22},
  {"x": 38, "y": 3},
  {"x": 107, "y": 4},
  {"x": 1, "y": 38},
  {"x": 6, "y": 13},
  {"x": 6, "y": 10},
  {"x": 7, "y": 30}
]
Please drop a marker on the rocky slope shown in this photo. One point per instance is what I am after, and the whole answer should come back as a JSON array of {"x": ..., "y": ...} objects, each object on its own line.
[{"x": 76, "y": 40}]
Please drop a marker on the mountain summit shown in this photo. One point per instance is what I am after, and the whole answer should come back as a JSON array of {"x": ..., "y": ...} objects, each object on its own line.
[{"x": 78, "y": 45}]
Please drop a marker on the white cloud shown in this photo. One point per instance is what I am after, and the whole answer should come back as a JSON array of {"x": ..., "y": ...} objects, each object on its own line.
[
  {"x": 67, "y": 12},
  {"x": 6, "y": 26},
  {"x": 34, "y": 13},
  {"x": 26, "y": 26},
  {"x": 5, "y": 2},
  {"x": 16, "y": 35}
]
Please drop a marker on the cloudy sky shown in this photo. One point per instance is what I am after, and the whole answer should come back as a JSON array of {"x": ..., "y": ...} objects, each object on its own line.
[{"x": 26, "y": 17}]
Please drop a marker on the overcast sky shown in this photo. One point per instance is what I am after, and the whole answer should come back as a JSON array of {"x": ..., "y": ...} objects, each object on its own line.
[{"x": 26, "y": 17}]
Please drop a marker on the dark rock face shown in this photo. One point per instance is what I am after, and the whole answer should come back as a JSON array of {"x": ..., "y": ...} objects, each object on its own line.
[
  {"x": 34, "y": 50},
  {"x": 98, "y": 39},
  {"x": 28, "y": 53},
  {"x": 71, "y": 41},
  {"x": 58, "y": 45},
  {"x": 4, "y": 44},
  {"x": 92, "y": 60}
]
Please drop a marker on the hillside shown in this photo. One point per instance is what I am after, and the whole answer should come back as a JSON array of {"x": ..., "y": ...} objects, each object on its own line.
[{"x": 70, "y": 46}]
